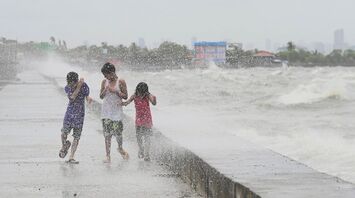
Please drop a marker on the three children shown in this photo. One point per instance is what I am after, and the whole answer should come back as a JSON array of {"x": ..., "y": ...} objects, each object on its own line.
[{"x": 113, "y": 90}]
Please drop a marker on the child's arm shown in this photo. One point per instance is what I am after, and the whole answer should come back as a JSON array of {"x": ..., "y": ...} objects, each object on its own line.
[
  {"x": 128, "y": 101},
  {"x": 77, "y": 89},
  {"x": 103, "y": 89},
  {"x": 86, "y": 92},
  {"x": 123, "y": 89},
  {"x": 152, "y": 99}
]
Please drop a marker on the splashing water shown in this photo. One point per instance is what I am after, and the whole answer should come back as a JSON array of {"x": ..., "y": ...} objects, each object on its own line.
[{"x": 304, "y": 113}]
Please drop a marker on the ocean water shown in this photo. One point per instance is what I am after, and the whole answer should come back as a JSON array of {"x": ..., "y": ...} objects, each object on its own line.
[{"x": 304, "y": 113}]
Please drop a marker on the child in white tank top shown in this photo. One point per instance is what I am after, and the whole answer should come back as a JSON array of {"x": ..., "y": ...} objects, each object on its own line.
[{"x": 112, "y": 91}]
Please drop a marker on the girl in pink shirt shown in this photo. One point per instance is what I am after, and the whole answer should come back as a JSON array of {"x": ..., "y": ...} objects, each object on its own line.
[{"x": 144, "y": 123}]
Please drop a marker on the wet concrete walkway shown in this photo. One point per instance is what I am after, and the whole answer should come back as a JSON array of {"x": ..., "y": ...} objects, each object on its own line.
[{"x": 30, "y": 121}]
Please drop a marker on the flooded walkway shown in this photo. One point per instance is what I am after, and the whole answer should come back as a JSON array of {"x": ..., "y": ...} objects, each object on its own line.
[{"x": 31, "y": 117}]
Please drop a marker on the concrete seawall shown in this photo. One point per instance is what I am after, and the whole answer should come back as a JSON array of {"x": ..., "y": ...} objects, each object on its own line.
[
  {"x": 244, "y": 170},
  {"x": 192, "y": 169}
]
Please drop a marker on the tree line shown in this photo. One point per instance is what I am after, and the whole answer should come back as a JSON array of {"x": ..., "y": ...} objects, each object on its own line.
[
  {"x": 167, "y": 55},
  {"x": 298, "y": 56},
  {"x": 173, "y": 55}
]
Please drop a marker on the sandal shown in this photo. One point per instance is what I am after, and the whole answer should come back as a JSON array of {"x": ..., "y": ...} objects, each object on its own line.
[
  {"x": 72, "y": 161},
  {"x": 64, "y": 151}
]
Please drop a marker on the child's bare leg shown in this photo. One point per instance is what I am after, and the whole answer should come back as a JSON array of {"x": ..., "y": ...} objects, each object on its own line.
[
  {"x": 108, "y": 148},
  {"x": 119, "y": 141},
  {"x": 74, "y": 146},
  {"x": 146, "y": 147},
  {"x": 140, "y": 143},
  {"x": 120, "y": 148}
]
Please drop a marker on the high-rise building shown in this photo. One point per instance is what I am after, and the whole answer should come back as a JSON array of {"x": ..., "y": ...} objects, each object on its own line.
[
  {"x": 339, "y": 39},
  {"x": 141, "y": 43}
]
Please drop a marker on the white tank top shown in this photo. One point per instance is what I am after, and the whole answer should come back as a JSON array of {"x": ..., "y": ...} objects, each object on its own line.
[{"x": 110, "y": 108}]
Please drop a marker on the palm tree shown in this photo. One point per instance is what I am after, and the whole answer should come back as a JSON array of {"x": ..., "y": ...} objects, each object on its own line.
[
  {"x": 52, "y": 39},
  {"x": 291, "y": 46},
  {"x": 65, "y": 45}
]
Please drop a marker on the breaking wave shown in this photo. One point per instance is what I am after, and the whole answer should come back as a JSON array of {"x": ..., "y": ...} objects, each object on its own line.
[{"x": 318, "y": 90}]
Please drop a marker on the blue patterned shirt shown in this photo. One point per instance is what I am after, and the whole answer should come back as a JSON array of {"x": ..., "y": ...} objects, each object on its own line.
[{"x": 74, "y": 116}]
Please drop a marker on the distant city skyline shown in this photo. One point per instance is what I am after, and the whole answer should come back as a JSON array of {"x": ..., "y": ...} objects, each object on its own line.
[
  {"x": 116, "y": 22},
  {"x": 339, "y": 42}
]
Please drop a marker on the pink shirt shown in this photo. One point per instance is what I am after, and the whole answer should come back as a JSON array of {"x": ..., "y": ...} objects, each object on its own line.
[{"x": 143, "y": 115}]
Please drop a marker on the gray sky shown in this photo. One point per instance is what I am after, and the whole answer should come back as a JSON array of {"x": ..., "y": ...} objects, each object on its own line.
[{"x": 116, "y": 21}]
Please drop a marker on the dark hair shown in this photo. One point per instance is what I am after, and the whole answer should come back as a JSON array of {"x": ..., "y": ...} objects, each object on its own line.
[
  {"x": 72, "y": 77},
  {"x": 142, "y": 89},
  {"x": 108, "y": 68}
]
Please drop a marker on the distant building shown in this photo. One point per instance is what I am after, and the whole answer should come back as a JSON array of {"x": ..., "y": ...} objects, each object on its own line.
[
  {"x": 264, "y": 58},
  {"x": 141, "y": 43},
  {"x": 210, "y": 52},
  {"x": 193, "y": 41},
  {"x": 339, "y": 39}
]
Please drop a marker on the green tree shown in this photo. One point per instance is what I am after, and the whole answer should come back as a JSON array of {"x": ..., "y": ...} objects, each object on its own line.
[
  {"x": 171, "y": 54},
  {"x": 133, "y": 54},
  {"x": 234, "y": 55},
  {"x": 335, "y": 57}
]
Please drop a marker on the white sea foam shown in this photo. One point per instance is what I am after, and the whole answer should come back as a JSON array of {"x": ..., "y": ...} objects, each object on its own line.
[{"x": 320, "y": 88}]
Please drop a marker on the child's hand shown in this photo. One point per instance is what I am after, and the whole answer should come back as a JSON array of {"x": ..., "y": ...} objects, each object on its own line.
[
  {"x": 105, "y": 89},
  {"x": 153, "y": 99},
  {"x": 88, "y": 99},
  {"x": 123, "y": 103},
  {"x": 111, "y": 89},
  {"x": 81, "y": 81}
]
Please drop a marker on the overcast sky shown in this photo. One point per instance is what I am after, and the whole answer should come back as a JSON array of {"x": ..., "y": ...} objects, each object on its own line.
[{"x": 123, "y": 22}]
